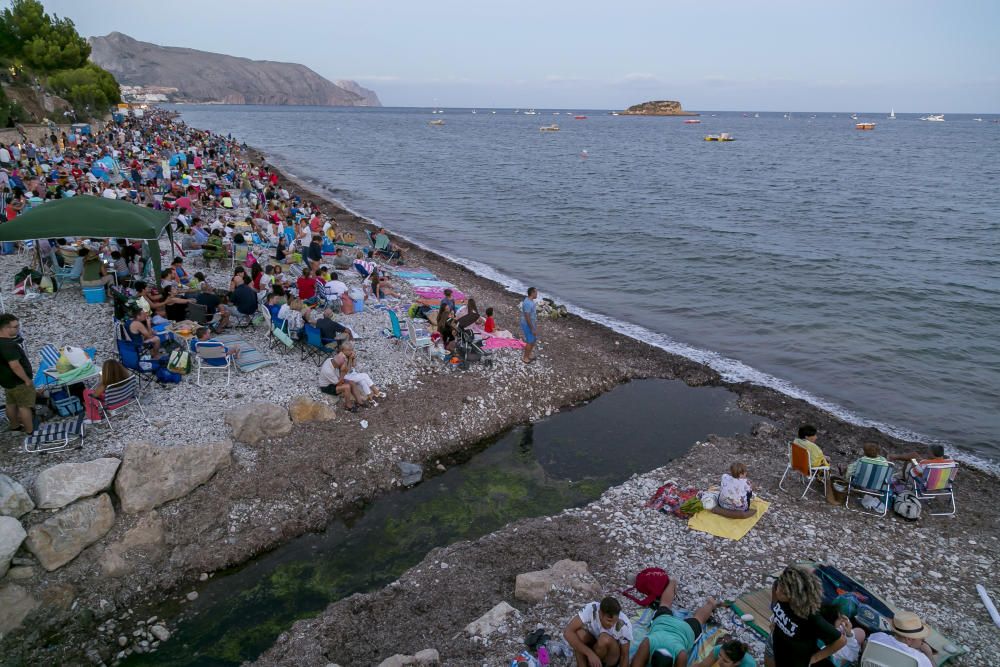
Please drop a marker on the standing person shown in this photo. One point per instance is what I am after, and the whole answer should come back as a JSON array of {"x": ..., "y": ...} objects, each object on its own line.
[
  {"x": 798, "y": 628},
  {"x": 529, "y": 324},
  {"x": 16, "y": 376}
]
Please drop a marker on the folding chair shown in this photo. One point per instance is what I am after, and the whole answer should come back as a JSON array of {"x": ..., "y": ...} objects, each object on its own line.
[
  {"x": 936, "y": 482},
  {"x": 313, "y": 345},
  {"x": 395, "y": 328},
  {"x": 416, "y": 342},
  {"x": 70, "y": 275},
  {"x": 120, "y": 395},
  {"x": 798, "y": 460},
  {"x": 55, "y": 436},
  {"x": 880, "y": 655},
  {"x": 131, "y": 357},
  {"x": 212, "y": 356},
  {"x": 871, "y": 479}
]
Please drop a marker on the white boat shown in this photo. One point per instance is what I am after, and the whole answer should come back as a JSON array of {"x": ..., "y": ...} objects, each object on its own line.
[
  {"x": 892, "y": 114},
  {"x": 549, "y": 128},
  {"x": 530, "y": 112},
  {"x": 935, "y": 118},
  {"x": 978, "y": 120},
  {"x": 437, "y": 122}
]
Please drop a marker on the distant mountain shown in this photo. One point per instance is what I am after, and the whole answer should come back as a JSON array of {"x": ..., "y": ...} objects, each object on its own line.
[{"x": 200, "y": 76}]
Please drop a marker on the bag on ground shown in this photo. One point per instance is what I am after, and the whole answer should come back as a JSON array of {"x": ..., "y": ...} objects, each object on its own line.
[
  {"x": 907, "y": 506},
  {"x": 179, "y": 362},
  {"x": 649, "y": 586}
]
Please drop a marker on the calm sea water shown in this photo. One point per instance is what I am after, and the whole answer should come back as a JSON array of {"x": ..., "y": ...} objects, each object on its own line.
[{"x": 859, "y": 270}]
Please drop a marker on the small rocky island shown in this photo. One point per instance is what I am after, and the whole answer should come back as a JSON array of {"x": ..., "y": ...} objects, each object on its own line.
[{"x": 657, "y": 108}]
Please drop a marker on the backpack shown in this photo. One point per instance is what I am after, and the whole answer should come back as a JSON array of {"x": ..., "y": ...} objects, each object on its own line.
[
  {"x": 164, "y": 376},
  {"x": 651, "y": 582},
  {"x": 179, "y": 362},
  {"x": 907, "y": 506}
]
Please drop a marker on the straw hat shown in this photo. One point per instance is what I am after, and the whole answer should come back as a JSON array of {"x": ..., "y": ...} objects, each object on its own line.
[{"x": 908, "y": 624}]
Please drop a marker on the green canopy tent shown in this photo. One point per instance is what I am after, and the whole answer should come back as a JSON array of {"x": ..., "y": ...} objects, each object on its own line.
[{"x": 92, "y": 217}]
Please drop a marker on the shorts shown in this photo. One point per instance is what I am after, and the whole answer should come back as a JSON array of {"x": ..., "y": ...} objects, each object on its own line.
[
  {"x": 21, "y": 396},
  {"x": 529, "y": 337},
  {"x": 691, "y": 620}
]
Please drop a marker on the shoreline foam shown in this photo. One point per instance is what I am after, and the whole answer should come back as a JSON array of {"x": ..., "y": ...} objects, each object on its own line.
[{"x": 731, "y": 370}]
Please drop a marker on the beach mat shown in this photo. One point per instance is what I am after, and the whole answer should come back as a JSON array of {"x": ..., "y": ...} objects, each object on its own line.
[
  {"x": 418, "y": 275},
  {"x": 720, "y": 526},
  {"x": 758, "y": 603},
  {"x": 250, "y": 358}
]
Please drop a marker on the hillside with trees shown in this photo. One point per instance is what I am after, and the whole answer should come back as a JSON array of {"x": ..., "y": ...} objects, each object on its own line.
[{"x": 41, "y": 56}]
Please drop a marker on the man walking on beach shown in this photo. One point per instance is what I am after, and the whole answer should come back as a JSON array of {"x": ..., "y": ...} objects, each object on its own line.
[
  {"x": 529, "y": 324},
  {"x": 15, "y": 376}
]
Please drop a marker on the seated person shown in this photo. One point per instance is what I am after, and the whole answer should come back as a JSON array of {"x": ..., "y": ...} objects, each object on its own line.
[
  {"x": 364, "y": 264},
  {"x": 147, "y": 301},
  {"x": 120, "y": 266},
  {"x": 362, "y": 386},
  {"x": 447, "y": 300},
  {"x": 908, "y": 635},
  {"x": 213, "y": 305},
  {"x": 306, "y": 285},
  {"x": 330, "y": 330},
  {"x": 204, "y": 335},
  {"x": 872, "y": 455},
  {"x": 175, "y": 307},
  {"x": 671, "y": 639},
  {"x": 334, "y": 288},
  {"x": 331, "y": 382},
  {"x": 728, "y": 653},
  {"x": 196, "y": 280},
  {"x": 934, "y": 454},
  {"x": 600, "y": 634},
  {"x": 140, "y": 329},
  {"x": 180, "y": 273},
  {"x": 340, "y": 260},
  {"x": 214, "y": 248},
  {"x": 237, "y": 278},
  {"x": 735, "y": 493},
  {"x": 385, "y": 247},
  {"x": 807, "y": 439},
  {"x": 446, "y": 327},
  {"x": 469, "y": 314},
  {"x": 243, "y": 299},
  {"x": 94, "y": 272},
  {"x": 112, "y": 372},
  {"x": 293, "y": 313},
  {"x": 855, "y": 637},
  {"x": 381, "y": 287}
]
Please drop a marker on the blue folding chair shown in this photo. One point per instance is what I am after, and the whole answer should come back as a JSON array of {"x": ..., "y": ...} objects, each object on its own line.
[{"x": 872, "y": 479}]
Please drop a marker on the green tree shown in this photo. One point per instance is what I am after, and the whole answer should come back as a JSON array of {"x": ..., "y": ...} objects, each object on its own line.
[
  {"x": 87, "y": 88},
  {"x": 46, "y": 43},
  {"x": 22, "y": 21}
]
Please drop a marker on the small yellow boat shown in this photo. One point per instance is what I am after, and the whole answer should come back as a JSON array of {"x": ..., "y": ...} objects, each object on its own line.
[
  {"x": 864, "y": 126},
  {"x": 725, "y": 136}
]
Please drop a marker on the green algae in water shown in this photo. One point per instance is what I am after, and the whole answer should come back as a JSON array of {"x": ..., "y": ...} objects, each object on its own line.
[{"x": 536, "y": 470}]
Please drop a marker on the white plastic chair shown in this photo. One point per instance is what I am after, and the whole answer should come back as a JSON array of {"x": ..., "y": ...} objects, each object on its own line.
[
  {"x": 416, "y": 343},
  {"x": 212, "y": 356},
  {"x": 880, "y": 655}
]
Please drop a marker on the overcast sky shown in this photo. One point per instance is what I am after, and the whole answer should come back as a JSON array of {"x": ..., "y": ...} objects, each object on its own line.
[{"x": 779, "y": 55}]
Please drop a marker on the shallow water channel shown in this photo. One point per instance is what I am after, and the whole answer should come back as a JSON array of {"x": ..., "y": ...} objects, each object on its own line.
[{"x": 566, "y": 460}]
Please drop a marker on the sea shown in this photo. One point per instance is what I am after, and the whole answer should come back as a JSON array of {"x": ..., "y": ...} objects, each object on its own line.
[{"x": 858, "y": 270}]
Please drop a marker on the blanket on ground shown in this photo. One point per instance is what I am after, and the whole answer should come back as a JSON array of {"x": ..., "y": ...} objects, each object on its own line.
[
  {"x": 428, "y": 282},
  {"x": 250, "y": 358},
  {"x": 720, "y": 526},
  {"x": 438, "y": 293},
  {"x": 419, "y": 275},
  {"x": 501, "y": 343}
]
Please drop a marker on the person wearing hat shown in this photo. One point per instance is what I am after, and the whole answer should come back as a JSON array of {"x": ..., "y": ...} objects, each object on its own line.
[{"x": 908, "y": 636}]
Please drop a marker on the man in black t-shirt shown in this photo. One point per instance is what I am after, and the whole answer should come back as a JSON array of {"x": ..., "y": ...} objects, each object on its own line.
[
  {"x": 243, "y": 298},
  {"x": 330, "y": 330},
  {"x": 16, "y": 376},
  {"x": 213, "y": 305}
]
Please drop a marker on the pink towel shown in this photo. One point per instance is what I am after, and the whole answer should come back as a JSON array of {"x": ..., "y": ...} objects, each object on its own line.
[
  {"x": 497, "y": 343},
  {"x": 438, "y": 293}
]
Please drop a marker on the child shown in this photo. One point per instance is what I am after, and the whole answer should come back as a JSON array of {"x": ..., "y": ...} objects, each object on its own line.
[
  {"x": 729, "y": 654},
  {"x": 872, "y": 455},
  {"x": 196, "y": 281},
  {"x": 807, "y": 439},
  {"x": 855, "y": 637},
  {"x": 490, "y": 326},
  {"x": 736, "y": 491}
]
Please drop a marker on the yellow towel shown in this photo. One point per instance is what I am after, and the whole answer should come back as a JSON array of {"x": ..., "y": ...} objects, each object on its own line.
[{"x": 733, "y": 529}]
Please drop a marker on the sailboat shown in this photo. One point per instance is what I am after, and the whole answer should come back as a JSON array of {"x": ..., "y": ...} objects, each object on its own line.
[{"x": 892, "y": 114}]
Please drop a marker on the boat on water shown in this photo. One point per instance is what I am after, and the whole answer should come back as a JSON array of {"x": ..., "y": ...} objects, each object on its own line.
[
  {"x": 934, "y": 118},
  {"x": 692, "y": 121},
  {"x": 854, "y": 116},
  {"x": 978, "y": 120},
  {"x": 864, "y": 126},
  {"x": 892, "y": 114},
  {"x": 725, "y": 136},
  {"x": 530, "y": 112},
  {"x": 579, "y": 118},
  {"x": 437, "y": 122},
  {"x": 615, "y": 113},
  {"x": 549, "y": 128}
]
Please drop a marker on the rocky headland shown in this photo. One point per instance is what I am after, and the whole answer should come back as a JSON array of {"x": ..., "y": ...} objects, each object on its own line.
[{"x": 658, "y": 108}]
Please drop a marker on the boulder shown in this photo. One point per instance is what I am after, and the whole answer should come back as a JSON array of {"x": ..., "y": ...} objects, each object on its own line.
[
  {"x": 412, "y": 472},
  {"x": 145, "y": 539},
  {"x": 150, "y": 476},
  {"x": 61, "y": 484},
  {"x": 305, "y": 409},
  {"x": 11, "y": 536},
  {"x": 15, "y": 605},
  {"x": 14, "y": 500},
  {"x": 490, "y": 622},
  {"x": 566, "y": 575},
  {"x": 258, "y": 421},
  {"x": 427, "y": 658},
  {"x": 20, "y": 573},
  {"x": 60, "y": 538}
]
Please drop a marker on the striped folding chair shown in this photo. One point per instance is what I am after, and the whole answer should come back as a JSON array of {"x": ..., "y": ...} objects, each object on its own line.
[
  {"x": 871, "y": 479},
  {"x": 55, "y": 436},
  {"x": 798, "y": 461},
  {"x": 120, "y": 395},
  {"x": 49, "y": 355},
  {"x": 937, "y": 482}
]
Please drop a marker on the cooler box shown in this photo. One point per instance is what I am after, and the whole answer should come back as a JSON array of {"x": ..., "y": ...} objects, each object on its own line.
[{"x": 93, "y": 294}]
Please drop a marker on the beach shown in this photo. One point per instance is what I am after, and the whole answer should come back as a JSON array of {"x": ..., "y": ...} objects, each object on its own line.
[{"x": 279, "y": 488}]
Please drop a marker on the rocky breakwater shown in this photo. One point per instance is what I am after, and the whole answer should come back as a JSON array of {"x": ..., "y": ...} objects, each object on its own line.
[{"x": 658, "y": 108}]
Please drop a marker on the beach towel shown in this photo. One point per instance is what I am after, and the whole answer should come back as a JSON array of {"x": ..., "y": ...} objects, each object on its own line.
[
  {"x": 500, "y": 343},
  {"x": 758, "y": 603},
  {"x": 720, "y": 526},
  {"x": 642, "y": 621},
  {"x": 428, "y": 282},
  {"x": 250, "y": 358},
  {"x": 438, "y": 293},
  {"x": 419, "y": 275}
]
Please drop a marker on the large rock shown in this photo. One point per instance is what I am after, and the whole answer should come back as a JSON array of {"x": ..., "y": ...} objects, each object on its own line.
[
  {"x": 305, "y": 409},
  {"x": 427, "y": 658},
  {"x": 150, "y": 476},
  {"x": 14, "y": 500},
  {"x": 11, "y": 536},
  {"x": 15, "y": 605},
  {"x": 60, "y": 538},
  {"x": 565, "y": 575},
  {"x": 258, "y": 421},
  {"x": 61, "y": 484},
  {"x": 144, "y": 541},
  {"x": 491, "y": 621}
]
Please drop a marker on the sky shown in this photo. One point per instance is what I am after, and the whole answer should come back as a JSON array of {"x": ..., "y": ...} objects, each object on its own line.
[{"x": 779, "y": 55}]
